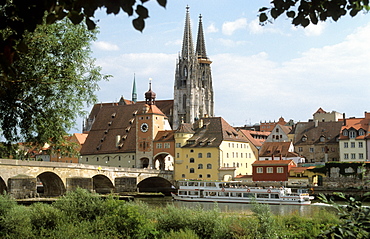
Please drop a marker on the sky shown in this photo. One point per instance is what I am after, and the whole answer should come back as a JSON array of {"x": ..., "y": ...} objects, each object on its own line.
[{"x": 260, "y": 73}]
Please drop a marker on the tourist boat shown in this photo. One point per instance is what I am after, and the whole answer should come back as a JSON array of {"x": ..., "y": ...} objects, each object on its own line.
[{"x": 237, "y": 192}]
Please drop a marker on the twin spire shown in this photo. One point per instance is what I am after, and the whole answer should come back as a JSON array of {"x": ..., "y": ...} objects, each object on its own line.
[{"x": 187, "y": 43}]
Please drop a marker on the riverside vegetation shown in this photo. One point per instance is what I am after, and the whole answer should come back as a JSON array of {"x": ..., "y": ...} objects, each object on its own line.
[{"x": 81, "y": 214}]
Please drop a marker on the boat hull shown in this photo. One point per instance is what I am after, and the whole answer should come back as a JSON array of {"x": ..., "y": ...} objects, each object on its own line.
[{"x": 242, "y": 200}]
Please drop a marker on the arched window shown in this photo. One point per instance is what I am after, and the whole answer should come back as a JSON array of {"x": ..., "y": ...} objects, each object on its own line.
[
  {"x": 191, "y": 160},
  {"x": 185, "y": 72},
  {"x": 208, "y": 155},
  {"x": 200, "y": 166},
  {"x": 209, "y": 166},
  {"x": 183, "y": 175},
  {"x": 191, "y": 170},
  {"x": 184, "y": 101},
  {"x": 200, "y": 155}
]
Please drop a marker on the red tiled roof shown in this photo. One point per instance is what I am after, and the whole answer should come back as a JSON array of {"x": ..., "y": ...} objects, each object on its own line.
[
  {"x": 273, "y": 162},
  {"x": 251, "y": 135},
  {"x": 276, "y": 149},
  {"x": 165, "y": 135}
]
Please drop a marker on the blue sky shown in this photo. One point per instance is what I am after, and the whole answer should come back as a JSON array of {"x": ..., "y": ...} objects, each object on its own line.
[{"x": 260, "y": 73}]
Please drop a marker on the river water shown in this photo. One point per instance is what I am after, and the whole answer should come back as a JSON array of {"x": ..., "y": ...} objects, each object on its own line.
[{"x": 307, "y": 210}]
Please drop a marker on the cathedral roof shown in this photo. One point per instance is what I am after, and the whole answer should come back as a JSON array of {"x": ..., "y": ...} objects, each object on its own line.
[{"x": 187, "y": 42}]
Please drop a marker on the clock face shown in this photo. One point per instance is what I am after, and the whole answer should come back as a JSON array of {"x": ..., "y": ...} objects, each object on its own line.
[{"x": 144, "y": 127}]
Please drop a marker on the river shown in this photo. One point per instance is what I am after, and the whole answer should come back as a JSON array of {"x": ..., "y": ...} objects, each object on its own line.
[{"x": 306, "y": 211}]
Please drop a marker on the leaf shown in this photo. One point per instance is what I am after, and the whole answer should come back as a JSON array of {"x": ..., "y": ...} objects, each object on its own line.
[
  {"x": 138, "y": 24},
  {"x": 75, "y": 17},
  {"x": 263, "y": 17},
  {"x": 162, "y": 3},
  {"x": 90, "y": 24},
  {"x": 22, "y": 46},
  {"x": 262, "y": 9},
  {"x": 142, "y": 11},
  {"x": 51, "y": 18},
  {"x": 290, "y": 14},
  {"x": 313, "y": 18}
]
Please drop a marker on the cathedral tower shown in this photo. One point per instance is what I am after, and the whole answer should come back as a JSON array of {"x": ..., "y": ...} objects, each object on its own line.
[{"x": 193, "y": 93}]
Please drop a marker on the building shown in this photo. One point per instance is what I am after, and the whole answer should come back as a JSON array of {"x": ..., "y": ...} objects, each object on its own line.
[
  {"x": 280, "y": 133},
  {"x": 78, "y": 140},
  {"x": 193, "y": 90},
  {"x": 317, "y": 141},
  {"x": 123, "y": 135},
  {"x": 269, "y": 126},
  {"x": 279, "y": 151},
  {"x": 354, "y": 139},
  {"x": 272, "y": 170},
  {"x": 323, "y": 116},
  {"x": 211, "y": 149}
]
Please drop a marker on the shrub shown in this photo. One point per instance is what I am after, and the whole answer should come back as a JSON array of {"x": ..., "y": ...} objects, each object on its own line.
[
  {"x": 44, "y": 218},
  {"x": 16, "y": 223}
]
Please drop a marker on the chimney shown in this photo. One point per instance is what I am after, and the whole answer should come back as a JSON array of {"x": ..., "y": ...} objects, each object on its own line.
[{"x": 344, "y": 119}]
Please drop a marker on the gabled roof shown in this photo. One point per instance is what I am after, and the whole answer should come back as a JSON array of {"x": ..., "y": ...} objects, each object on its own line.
[
  {"x": 274, "y": 163},
  {"x": 253, "y": 136},
  {"x": 81, "y": 138},
  {"x": 312, "y": 131},
  {"x": 320, "y": 111},
  {"x": 185, "y": 128},
  {"x": 276, "y": 149},
  {"x": 110, "y": 122},
  {"x": 357, "y": 124},
  {"x": 210, "y": 132},
  {"x": 165, "y": 135}
]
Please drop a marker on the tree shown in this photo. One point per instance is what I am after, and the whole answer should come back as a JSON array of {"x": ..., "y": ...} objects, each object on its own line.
[
  {"x": 20, "y": 16},
  {"x": 304, "y": 12},
  {"x": 52, "y": 80}
]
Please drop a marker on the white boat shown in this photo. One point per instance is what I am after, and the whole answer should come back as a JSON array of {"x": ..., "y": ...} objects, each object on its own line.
[{"x": 236, "y": 192}]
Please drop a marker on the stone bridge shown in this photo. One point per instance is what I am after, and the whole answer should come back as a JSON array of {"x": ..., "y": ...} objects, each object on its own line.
[{"x": 23, "y": 179}]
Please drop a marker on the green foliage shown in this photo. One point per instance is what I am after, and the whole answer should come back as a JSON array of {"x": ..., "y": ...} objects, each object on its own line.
[
  {"x": 304, "y": 12},
  {"x": 354, "y": 219},
  {"x": 16, "y": 223},
  {"x": 81, "y": 205},
  {"x": 44, "y": 219},
  {"x": 51, "y": 83},
  {"x": 267, "y": 227}
]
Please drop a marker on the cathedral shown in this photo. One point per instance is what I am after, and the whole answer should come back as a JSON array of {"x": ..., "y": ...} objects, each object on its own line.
[{"x": 193, "y": 93}]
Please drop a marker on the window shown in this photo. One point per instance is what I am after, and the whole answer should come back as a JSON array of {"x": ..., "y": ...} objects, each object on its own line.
[
  {"x": 352, "y": 134},
  {"x": 167, "y": 145},
  {"x": 353, "y": 144},
  {"x": 208, "y": 175},
  {"x": 360, "y": 145},
  {"x": 346, "y": 144},
  {"x": 208, "y": 155},
  {"x": 280, "y": 170},
  {"x": 177, "y": 155},
  {"x": 259, "y": 170},
  {"x": 322, "y": 139},
  {"x": 227, "y": 155},
  {"x": 191, "y": 170},
  {"x": 312, "y": 150},
  {"x": 353, "y": 156},
  {"x": 361, "y": 132},
  {"x": 200, "y": 155},
  {"x": 277, "y": 130},
  {"x": 209, "y": 166},
  {"x": 200, "y": 176},
  {"x": 270, "y": 170},
  {"x": 200, "y": 166},
  {"x": 159, "y": 145},
  {"x": 304, "y": 138},
  {"x": 183, "y": 175},
  {"x": 191, "y": 150},
  {"x": 178, "y": 145},
  {"x": 191, "y": 160},
  {"x": 300, "y": 149},
  {"x": 345, "y": 156},
  {"x": 345, "y": 132},
  {"x": 360, "y": 156}
]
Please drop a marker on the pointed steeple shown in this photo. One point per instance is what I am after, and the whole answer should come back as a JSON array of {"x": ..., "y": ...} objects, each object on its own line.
[
  {"x": 150, "y": 95},
  {"x": 187, "y": 42},
  {"x": 201, "y": 46},
  {"x": 134, "y": 94}
]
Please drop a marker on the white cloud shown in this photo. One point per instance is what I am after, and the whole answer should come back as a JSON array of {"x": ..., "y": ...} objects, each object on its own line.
[
  {"x": 105, "y": 46},
  {"x": 230, "y": 43},
  {"x": 211, "y": 28},
  {"x": 228, "y": 28},
  {"x": 315, "y": 30}
]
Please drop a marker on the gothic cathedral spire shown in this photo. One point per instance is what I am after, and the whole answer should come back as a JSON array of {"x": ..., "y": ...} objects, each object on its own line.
[
  {"x": 193, "y": 91},
  {"x": 134, "y": 94}
]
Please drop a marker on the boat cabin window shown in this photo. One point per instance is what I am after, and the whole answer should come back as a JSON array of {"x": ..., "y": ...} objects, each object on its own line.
[
  {"x": 210, "y": 184},
  {"x": 193, "y": 193},
  {"x": 274, "y": 196},
  {"x": 183, "y": 193},
  {"x": 262, "y": 195}
]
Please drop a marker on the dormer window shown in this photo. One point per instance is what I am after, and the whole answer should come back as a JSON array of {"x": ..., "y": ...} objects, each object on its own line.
[
  {"x": 322, "y": 138},
  {"x": 304, "y": 138},
  {"x": 345, "y": 132},
  {"x": 361, "y": 132},
  {"x": 352, "y": 134}
]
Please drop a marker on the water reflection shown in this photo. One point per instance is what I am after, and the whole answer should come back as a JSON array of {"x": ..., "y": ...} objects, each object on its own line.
[{"x": 307, "y": 210}]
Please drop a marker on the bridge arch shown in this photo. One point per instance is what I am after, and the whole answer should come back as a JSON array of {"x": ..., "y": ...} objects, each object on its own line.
[
  {"x": 3, "y": 187},
  {"x": 144, "y": 163},
  {"x": 102, "y": 184},
  {"x": 52, "y": 184},
  {"x": 156, "y": 184}
]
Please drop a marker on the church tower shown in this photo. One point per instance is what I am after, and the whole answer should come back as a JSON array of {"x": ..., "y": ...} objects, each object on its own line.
[{"x": 193, "y": 91}]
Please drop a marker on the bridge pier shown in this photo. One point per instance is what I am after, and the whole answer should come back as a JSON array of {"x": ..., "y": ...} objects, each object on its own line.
[
  {"x": 77, "y": 182},
  {"x": 22, "y": 187},
  {"x": 125, "y": 184}
]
